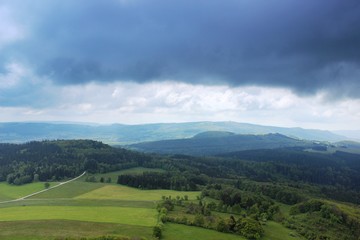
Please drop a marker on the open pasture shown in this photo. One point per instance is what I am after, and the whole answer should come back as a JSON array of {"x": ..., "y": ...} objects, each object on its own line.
[
  {"x": 276, "y": 231},
  {"x": 132, "y": 216},
  {"x": 181, "y": 232},
  {"x": 121, "y": 192},
  {"x": 8, "y": 192},
  {"x": 60, "y": 229},
  {"x": 79, "y": 202},
  {"x": 69, "y": 190}
]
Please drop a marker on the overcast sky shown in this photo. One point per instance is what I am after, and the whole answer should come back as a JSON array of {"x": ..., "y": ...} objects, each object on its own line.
[{"x": 273, "y": 62}]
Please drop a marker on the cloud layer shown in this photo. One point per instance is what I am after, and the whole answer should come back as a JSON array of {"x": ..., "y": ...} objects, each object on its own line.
[
  {"x": 270, "y": 62},
  {"x": 134, "y": 103},
  {"x": 306, "y": 46}
]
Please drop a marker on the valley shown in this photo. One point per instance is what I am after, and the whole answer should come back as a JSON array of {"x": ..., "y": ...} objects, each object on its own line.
[{"x": 276, "y": 193}]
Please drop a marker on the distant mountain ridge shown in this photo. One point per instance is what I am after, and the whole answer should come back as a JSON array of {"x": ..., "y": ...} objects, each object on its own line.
[
  {"x": 214, "y": 143},
  {"x": 352, "y": 135},
  {"x": 120, "y": 134},
  {"x": 213, "y": 134}
]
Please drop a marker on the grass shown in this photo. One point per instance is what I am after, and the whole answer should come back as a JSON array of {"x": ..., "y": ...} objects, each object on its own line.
[
  {"x": 84, "y": 209},
  {"x": 80, "y": 202},
  {"x": 284, "y": 208},
  {"x": 180, "y": 232},
  {"x": 58, "y": 229},
  {"x": 121, "y": 192},
  {"x": 276, "y": 231},
  {"x": 130, "y": 171},
  {"x": 132, "y": 216},
  {"x": 69, "y": 190},
  {"x": 8, "y": 192}
]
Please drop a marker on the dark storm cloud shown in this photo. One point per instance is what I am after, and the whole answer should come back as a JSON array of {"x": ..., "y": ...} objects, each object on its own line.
[{"x": 304, "y": 45}]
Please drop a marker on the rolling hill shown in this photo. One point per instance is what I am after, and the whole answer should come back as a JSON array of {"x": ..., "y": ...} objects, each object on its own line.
[
  {"x": 119, "y": 134},
  {"x": 213, "y": 143}
]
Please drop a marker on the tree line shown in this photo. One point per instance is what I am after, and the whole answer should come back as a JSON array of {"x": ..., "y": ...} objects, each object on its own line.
[{"x": 57, "y": 160}]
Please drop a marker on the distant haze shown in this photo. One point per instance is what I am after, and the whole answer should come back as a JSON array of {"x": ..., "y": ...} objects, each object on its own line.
[{"x": 127, "y": 134}]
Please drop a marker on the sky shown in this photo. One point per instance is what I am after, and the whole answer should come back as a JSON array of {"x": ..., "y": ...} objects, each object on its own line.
[{"x": 285, "y": 63}]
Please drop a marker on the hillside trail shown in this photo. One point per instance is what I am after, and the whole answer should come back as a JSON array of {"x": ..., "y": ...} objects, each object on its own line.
[{"x": 44, "y": 190}]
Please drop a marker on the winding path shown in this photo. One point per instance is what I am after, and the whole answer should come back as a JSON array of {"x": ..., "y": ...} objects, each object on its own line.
[{"x": 47, "y": 189}]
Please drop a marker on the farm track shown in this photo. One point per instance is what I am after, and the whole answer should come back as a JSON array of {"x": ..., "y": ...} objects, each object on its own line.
[{"x": 47, "y": 189}]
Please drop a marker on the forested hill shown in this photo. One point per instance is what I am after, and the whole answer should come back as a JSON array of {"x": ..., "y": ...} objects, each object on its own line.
[
  {"x": 339, "y": 168},
  {"x": 212, "y": 143},
  {"x": 56, "y": 160},
  {"x": 337, "y": 173}
]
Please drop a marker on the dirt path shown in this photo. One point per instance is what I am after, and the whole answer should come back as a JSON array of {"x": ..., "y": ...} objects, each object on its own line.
[{"x": 47, "y": 189}]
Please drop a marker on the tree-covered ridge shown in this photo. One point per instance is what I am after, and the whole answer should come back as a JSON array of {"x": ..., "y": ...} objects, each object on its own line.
[
  {"x": 338, "y": 174},
  {"x": 335, "y": 176},
  {"x": 56, "y": 160},
  {"x": 213, "y": 143},
  {"x": 297, "y": 164}
]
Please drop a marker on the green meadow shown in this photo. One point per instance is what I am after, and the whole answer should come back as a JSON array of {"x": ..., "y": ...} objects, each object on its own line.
[
  {"x": 69, "y": 190},
  {"x": 276, "y": 231},
  {"x": 60, "y": 229},
  {"x": 86, "y": 209},
  {"x": 132, "y": 216},
  {"x": 127, "y": 193},
  {"x": 180, "y": 232},
  {"x": 81, "y": 209},
  {"x": 9, "y": 192}
]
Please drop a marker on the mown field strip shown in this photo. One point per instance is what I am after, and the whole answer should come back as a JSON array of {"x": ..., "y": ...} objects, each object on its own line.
[
  {"x": 52, "y": 187},
  {"x": 69, "y": 190},
  {"x": 80, "y": 202},
  {"x": 10, "y": 192},
  {"x": 61, "y": 229},
  {"x": 126, "y": 193},
  {"x": 123, "y": 215},
  {"x": 23, "y": 192}
]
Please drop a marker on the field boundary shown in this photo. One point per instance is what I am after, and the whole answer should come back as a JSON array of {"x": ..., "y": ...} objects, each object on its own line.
[{"x": 44, "y": 190}]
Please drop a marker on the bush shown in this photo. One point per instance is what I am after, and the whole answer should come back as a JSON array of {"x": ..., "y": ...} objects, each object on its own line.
[
  {"x": 157, "y": 232},
  {"x": 250, "y": 228}
]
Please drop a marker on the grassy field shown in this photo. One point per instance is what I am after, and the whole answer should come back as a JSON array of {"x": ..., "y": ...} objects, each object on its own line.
[
  {"x": 86, "y": 209},
  {"x": 60, "y": 229},
  {"x": 127, "y": 193},
  {"x": 181, "y": 232},
  {"x": 69, "y": 190},
  {"x": 276, "y": 231},
  {"x": 8, "y": 192},
  {"x": 79, "y": 202},
  {"x": 81, "y": 209},
  {"x": 132, "y": 216}
]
